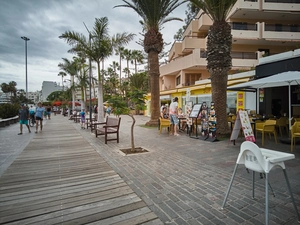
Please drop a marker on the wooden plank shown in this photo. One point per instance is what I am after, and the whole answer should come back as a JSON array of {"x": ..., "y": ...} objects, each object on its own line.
[
  {"x": 60, "y": 178},
  {"x": 74, "y": 194},
  {"x": 36, "y": 210}
]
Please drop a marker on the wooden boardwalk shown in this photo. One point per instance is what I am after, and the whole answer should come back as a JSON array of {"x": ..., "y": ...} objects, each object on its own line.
[{"x": 60, "y": 179}]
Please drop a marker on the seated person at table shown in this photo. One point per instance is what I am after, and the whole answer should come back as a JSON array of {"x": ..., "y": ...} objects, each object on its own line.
[
  {"x": 164, "y": 114},
  {"x": 182, "y": 121}
]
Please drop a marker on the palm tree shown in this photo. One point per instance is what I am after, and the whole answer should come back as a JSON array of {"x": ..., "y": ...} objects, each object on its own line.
[
  {"x": 219, "y": 62},
  {"x": 98, "y": 50},
  {"x": 119, "y": 51},
  {"x": 71, "y": 68},
  {"x": 127, "y": 56},
  {"x": 62, "y": 74},
  {"x": 139, "y": 81},
  {"x": 136, "y": 57},
  {"x": 4, "y": 87},
  {"x": 12, "y": 88},
  {"x": 83, "y": 83},
  {"x": 154, "y": 14},
  {"x": 115, "y": 66}
]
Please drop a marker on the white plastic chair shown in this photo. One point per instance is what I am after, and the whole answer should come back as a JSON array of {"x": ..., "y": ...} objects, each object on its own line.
[{"x": 262, "y": 161}]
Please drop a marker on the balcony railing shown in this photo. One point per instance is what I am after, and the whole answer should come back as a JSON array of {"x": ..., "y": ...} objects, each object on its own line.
[
  {"x": 282, "y": 28},
  {"x": 243, "y": 26},
  {"x": 283, "y": 1},
  {"x": 243, "y": 55}
]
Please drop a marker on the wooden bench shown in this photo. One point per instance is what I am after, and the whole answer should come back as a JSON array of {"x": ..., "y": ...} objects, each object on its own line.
[
  {"x": 111, "y": 126},
  {"x": 91, "y": 124}
]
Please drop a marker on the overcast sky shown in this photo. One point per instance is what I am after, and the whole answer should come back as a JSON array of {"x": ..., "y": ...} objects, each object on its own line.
[{"x": 42, "y": 21}]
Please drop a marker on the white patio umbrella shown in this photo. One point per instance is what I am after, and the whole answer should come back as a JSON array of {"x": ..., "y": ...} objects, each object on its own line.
[{"x": 282, "y": 79}]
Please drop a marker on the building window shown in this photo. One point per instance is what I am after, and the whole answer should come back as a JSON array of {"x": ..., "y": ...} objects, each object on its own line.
[
  {"x": 178, "y": 80},
  {"x": 191, "y": 78}
]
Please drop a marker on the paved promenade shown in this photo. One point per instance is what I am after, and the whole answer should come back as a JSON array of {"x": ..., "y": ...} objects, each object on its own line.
[{"x": 181, "y": 180}]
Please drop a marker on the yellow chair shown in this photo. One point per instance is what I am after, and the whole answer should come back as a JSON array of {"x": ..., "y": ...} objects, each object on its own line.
[
  {"x": 164, "y": 123},
  {"x": 295, "y": 132},
  {"x": 266, "y": 127},
  {"x": 282, "y": 123}
]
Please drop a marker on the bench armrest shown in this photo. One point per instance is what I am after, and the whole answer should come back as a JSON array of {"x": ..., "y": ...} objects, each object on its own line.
[
  {"x": 107, "y": 126},
  {"x": 96, "y": 123}
]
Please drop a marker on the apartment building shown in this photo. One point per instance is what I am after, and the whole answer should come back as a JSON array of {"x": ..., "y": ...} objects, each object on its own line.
[
  {"x": 35, "y": 97},
  {"x": 48, "y": 87},
  {"x": 259, "y": 28}
]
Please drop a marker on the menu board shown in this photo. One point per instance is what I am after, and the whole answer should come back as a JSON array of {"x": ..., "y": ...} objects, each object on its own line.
[
  {"x": 195, "y": 111},
  {"x": 242, "y": 121}
]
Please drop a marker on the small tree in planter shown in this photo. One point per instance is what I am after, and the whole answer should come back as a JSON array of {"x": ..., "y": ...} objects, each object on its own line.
[{"x": 120, "y": 106}]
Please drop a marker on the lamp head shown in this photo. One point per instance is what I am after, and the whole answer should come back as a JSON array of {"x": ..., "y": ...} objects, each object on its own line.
[{"x": 25, "y": 38}]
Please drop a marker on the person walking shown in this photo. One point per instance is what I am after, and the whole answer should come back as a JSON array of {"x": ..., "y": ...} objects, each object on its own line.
[
  {"x": 82, "y": 119},
  {"x": 173, "y": 113},
  {"x": 48, "y": 112},
  {"x": 39, "y": 117},
  {"x": 31, "y": 113},
  {"x": 24, "y": 117}
]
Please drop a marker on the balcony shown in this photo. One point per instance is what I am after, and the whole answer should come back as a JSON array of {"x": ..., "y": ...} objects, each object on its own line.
[
  {"x": 242, "y": 30},
  {"x": 281, "y": 32},
  {"x": 203, "y": 22},
  {"x": 244, "y": 59},
  {"x": 281, "y": 5},
  {"x": 190, "y": 43},
  {"x": 184, "y": 62}
]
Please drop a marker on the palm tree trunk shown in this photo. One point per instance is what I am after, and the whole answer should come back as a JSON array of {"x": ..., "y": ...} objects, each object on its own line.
[
  {"x": 219, "y": 63},
  {"x": 128, "y": 68},
  {"x": 219, "y": 97},
  {"x": 100, "y": 95},
  {"x": 120, "y": 68},
  {"x": 73, "y": 93},
  {"x": 82, "y": 99},
  {"x": 154, "y": 86}
]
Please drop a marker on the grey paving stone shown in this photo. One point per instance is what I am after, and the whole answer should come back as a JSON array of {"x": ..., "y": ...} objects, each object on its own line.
[{"x": 193, "y": 175}]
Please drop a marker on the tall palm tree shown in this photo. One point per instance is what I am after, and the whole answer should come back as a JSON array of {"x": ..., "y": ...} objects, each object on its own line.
[
  {"x": 71, "y": 68},
  {"x": 127, "y": 56},
  {"x": 136, "y": 57},
  {"x": 83, "y": 83},
  {"x": 119, "y": 51},
  {"x": 98, "y": 50},
  {"x": 219, "y": 60},
  {"x": 115, "y": 66},
  {"x": 154, "y": 14},
  {"x": 62, "y": 74}
]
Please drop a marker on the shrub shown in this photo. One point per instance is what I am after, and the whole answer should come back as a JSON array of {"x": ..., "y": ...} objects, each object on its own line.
[{"x": 9, "y": 110}]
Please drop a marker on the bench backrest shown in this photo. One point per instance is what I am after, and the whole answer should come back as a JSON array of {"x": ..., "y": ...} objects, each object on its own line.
[{"x": 113, "y": 121}]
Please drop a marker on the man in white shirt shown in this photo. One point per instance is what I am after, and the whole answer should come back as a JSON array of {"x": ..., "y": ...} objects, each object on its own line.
[{"x": 173, "y": 113}]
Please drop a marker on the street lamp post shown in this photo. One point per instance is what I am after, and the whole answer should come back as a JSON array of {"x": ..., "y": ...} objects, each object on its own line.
[
  {"x": 72, "y": 99},
  {"x": 90, "y": 80},
  {"x": 90, "y": 74},
  {"x": 26, "y": 39}
]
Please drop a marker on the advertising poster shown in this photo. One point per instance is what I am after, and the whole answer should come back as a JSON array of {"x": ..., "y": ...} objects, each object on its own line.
[
  {"x": 242, "y": 122},
  {"x": 240, "y": 101}
]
